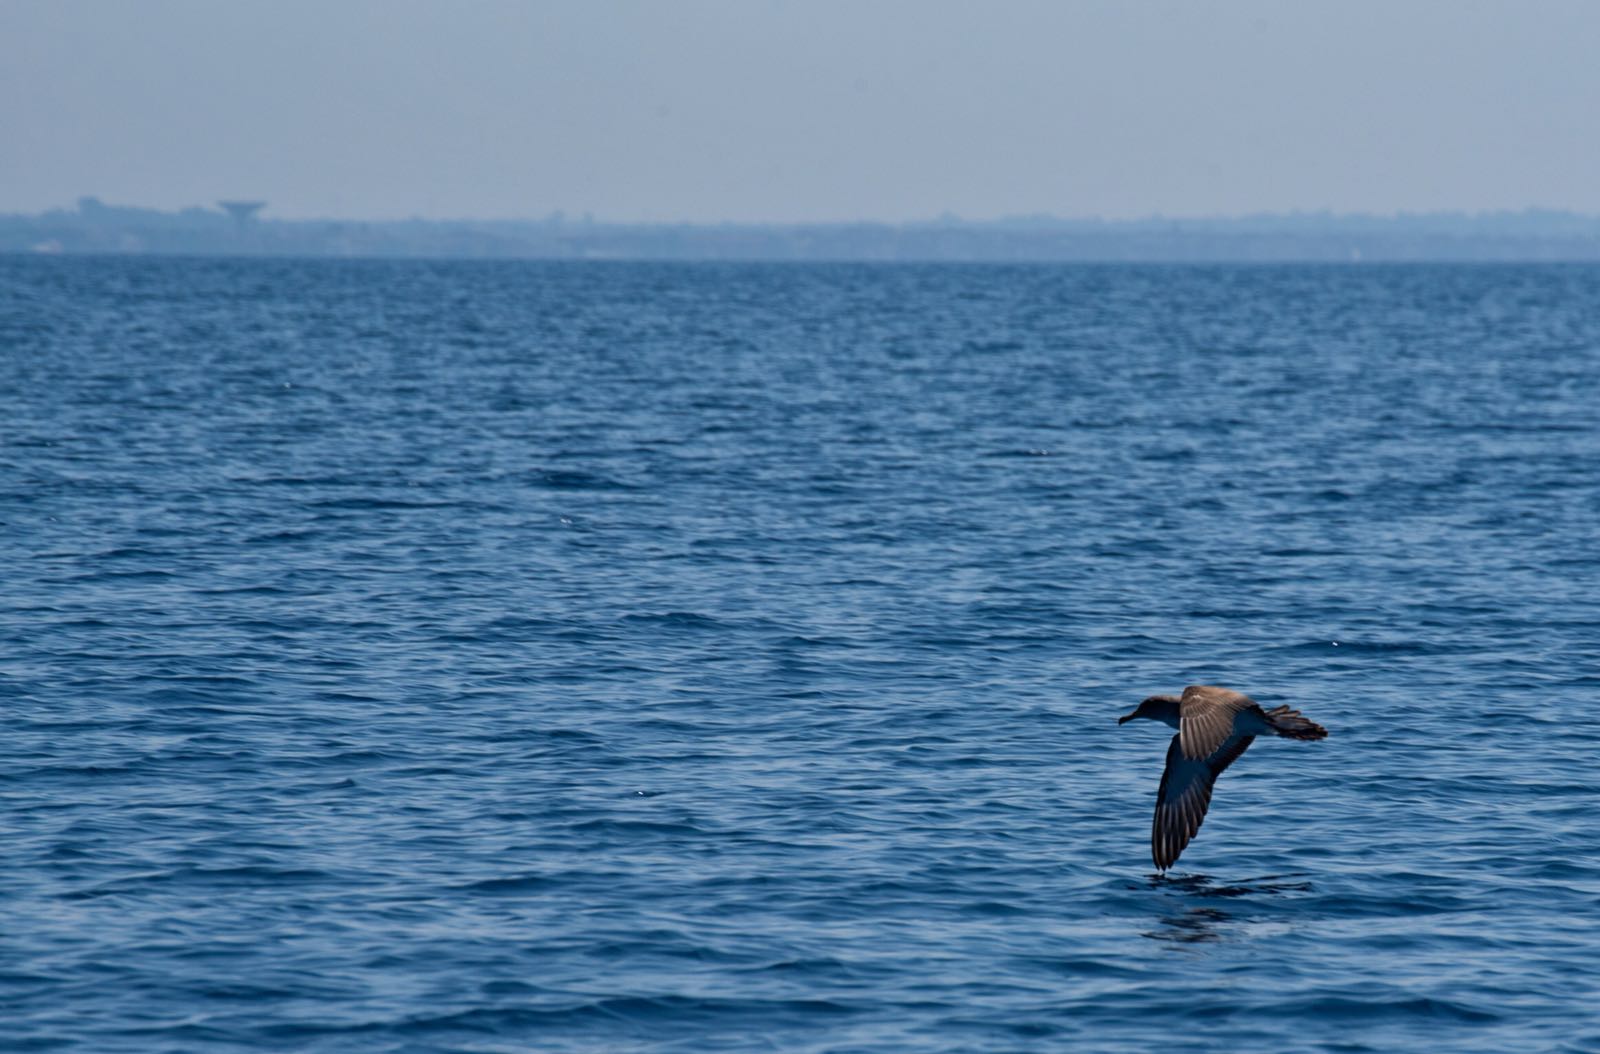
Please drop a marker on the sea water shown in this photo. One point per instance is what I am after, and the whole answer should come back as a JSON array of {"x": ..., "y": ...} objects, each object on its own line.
[{"x": 426, "y": 656}]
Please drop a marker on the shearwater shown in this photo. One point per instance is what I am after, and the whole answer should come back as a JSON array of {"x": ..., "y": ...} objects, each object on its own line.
[{"x": 1215, "y": 725}]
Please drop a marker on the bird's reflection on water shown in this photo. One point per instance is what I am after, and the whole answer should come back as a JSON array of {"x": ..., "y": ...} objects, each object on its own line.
[
  {"x": 1204, "y": 923},
  {"x": 1194, "y": 926}
]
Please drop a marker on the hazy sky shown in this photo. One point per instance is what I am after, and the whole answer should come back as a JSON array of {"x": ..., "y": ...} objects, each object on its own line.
[{"x": 814, "y": 110}]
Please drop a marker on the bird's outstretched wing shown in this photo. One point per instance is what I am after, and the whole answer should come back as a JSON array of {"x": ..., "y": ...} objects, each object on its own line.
[
  {"x": 1206, "y": 718},
  {"x": 1185, "y": 794}
]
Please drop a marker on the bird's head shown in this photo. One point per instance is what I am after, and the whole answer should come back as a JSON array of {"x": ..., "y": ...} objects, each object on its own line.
[{"x": 1154, "y": 708}]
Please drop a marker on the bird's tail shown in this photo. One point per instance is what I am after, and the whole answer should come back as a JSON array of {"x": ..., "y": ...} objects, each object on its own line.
[{"x": 1289, "y": 723}]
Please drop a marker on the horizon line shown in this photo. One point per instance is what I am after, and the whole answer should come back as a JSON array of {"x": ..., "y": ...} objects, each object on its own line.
[{"x": 88, "y": 203}]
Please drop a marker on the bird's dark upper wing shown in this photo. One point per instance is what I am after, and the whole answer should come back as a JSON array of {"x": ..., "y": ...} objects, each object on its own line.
[
  {"x": 1185, "y": 794},
  {"x": 1206, "y": 717}
]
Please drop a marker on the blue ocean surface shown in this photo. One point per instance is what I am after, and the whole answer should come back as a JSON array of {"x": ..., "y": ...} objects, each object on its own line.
[{"x": 426, "y": 656}]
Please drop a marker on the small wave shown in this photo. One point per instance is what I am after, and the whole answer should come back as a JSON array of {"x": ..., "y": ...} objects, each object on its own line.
[
  {"x": 676, "y": 620},
  {"x": 557, "y": 479},
  {"x": 630, "y": 828},
  {"x": 252, "y": 875},
  {"x": 1369, "y": 647},
  {"x": 1357, "y": 1009},
  {"x": 663, "y": 1012},
  {"x": 377, "y": 504},
  {"x": 517, "y": 884}
]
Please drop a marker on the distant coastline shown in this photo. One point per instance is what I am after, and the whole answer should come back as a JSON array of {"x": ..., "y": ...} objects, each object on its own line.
[{"x": 1531, "y": 235}]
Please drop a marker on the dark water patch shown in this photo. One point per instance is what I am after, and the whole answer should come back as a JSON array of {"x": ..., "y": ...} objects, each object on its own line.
[
  {"x": 526, "y": 884},
  {"x": 579, "y": 481},
  {"x": 375, "y": 504},
  {"x": 1375, "y": 647},
  {"x": 1337, "y": 1009},
  {"x": 246, "y": 877}
]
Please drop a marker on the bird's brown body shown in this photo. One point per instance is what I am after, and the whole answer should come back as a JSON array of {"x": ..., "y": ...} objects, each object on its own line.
[{"x": 1215, "y": 726}]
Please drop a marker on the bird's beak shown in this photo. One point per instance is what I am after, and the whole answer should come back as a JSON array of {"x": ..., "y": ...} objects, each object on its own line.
[{"x": 1125, "y": 718}]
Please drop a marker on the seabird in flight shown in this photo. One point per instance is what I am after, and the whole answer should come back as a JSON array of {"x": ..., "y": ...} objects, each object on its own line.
[{"x": 1214, "y": 726}]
